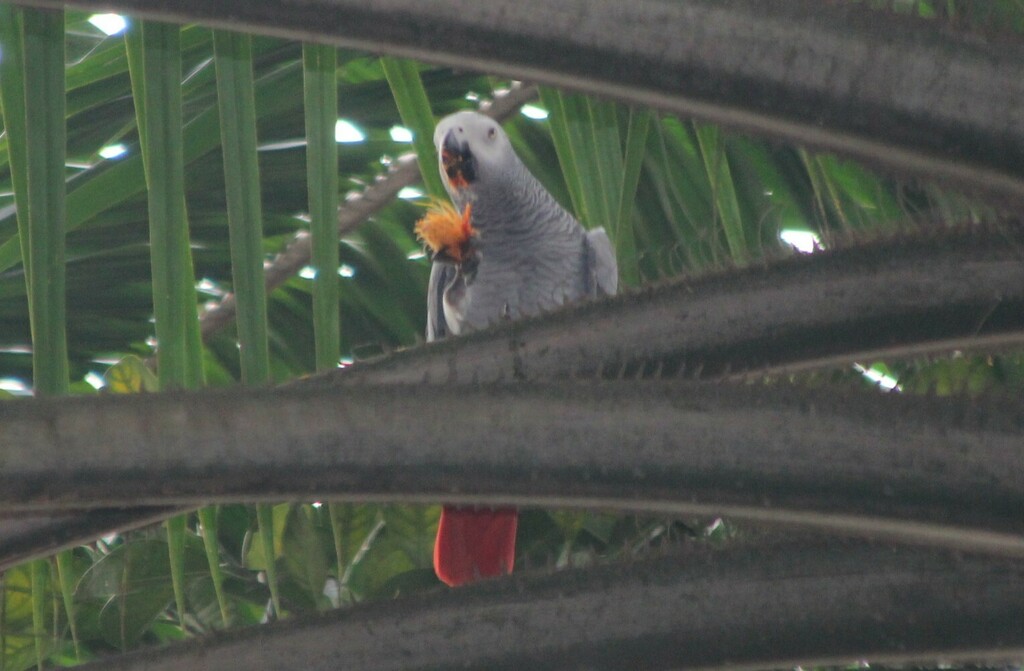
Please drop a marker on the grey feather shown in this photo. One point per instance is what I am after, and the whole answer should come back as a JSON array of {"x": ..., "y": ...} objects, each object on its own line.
[
  {"x": 602, "y": 268},
  {"x": 529, "y": 255}
]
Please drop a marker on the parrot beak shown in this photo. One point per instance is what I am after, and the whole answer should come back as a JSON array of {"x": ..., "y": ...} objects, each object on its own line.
[{"x": 457, "y": 160}]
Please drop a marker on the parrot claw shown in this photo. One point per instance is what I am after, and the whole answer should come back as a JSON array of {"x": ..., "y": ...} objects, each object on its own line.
[
  {"x": 442, "y": 256},
  {"x": 467, "y": 260},
  {"x": 467, "y": 265}
]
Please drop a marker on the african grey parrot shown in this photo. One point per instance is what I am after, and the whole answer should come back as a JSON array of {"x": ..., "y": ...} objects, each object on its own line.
[{"x": 527, "y": 255}]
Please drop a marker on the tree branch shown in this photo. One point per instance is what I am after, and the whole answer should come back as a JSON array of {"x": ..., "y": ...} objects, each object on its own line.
[
  {"x": 939, "y": 471},
  {"x": 948, "y": 290},
  {"x": 893, "y": 298},
  {"x": 805, "y": 604},
  {"x": 23, "y": 537},
  {"x": 892, "y": 91}
]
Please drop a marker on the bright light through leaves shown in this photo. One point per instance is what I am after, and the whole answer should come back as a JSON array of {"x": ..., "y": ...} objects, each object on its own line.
[
  {"x": 113, "y": 151},
  {"x": 15, "y": 386},
  {"x": 95, "y": 380},
  {"x": 886, "y": 382},
  {"x": 346, "y": 131},
  {"x": 109, "y": 24},
  {"x": 410, "y": 193},
  {"x": 401, "y": 134},
  {"x": 802, "y": 241},
  {"x": 534, "y": 112}
]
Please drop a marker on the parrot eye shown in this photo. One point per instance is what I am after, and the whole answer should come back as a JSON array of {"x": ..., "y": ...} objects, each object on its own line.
[{"x": 491, "y": 132}]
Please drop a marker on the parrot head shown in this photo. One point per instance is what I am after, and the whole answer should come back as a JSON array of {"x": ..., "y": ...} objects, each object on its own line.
[{"x": 472, "y": 148}]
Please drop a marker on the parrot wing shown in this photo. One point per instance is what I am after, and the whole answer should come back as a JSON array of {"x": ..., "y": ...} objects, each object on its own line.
[
  {"x": 441, "y": 275},
  {"x": 602, "y": 269}
]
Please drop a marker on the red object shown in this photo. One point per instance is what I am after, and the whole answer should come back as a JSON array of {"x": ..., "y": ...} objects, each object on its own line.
[{"x": 474, "y": 543}]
